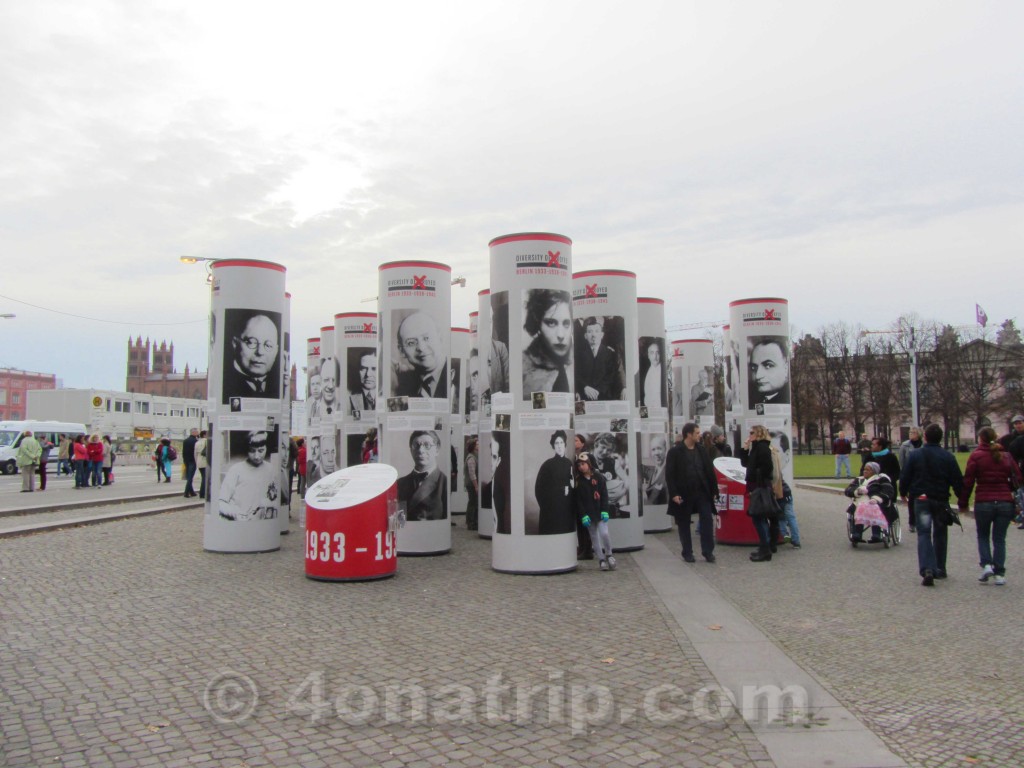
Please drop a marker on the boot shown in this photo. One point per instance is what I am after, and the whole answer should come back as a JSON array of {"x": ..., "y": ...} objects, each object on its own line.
[{"x": 762, "y": 555}]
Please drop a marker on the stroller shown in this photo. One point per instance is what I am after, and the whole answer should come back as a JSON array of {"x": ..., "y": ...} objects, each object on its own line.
[{"x": 873, "y": 507}]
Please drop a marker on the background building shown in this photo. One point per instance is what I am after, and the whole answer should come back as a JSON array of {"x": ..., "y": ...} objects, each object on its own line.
[
  {"x": 14, "y": 388},
  {"x": 122, "y": 415}
]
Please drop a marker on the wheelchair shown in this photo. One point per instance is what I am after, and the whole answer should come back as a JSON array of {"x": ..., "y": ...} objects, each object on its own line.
[{"x": 890, "y": 535}]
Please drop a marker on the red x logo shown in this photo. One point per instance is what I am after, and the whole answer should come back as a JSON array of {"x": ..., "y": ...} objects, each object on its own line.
[
  {"x": 367, "y": 327},
  {"x": 419, "y": 283},
  {"x": 769, "y": 314},
  {"x": 677, "y": 352},
  {"x": 316, "y": 350},
  {"x": 553, "y": 258},
  {"x": 591, "y": 291}
]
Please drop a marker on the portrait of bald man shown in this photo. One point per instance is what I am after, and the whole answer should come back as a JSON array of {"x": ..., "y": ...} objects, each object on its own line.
[
  {"x": 424, "y": 369},
  {"x": 251, "y": 354}
]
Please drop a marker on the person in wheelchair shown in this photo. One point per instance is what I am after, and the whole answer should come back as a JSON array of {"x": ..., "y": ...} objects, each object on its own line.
[{"x": 877, "y": 486}]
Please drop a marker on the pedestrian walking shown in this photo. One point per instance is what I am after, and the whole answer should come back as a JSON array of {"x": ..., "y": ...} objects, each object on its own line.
[
  {"x": 64, "y": 455},
  {"x": 590, "y": 493},
  {"x": 188, "y": 457},
  {"x": 202, "y": 461},
  {"x": 692, "y": 489},
  {"x": 300, "y": 466},
  {"x": 841, "y": 449},
  {"x": 929, "y": 475},
  {"x": 992, "y": 475},
  {"x": 109, "y": 457}
]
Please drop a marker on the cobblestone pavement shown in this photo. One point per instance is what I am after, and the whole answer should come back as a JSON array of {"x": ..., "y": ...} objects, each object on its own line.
[
  {"x": 937, "y": 673},
  {"x": 113, "y": 636}
]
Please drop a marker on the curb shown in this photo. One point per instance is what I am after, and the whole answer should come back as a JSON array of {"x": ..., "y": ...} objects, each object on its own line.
[
  {"x": 84, "y": 504},
  {"x": 76, "y": 522}
]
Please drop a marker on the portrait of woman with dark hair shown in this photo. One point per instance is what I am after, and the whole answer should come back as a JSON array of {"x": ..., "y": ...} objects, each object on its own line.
[
  {"x": 651, "y": 381},
  {"x": 547, "y": 359},
  {"x": 553, "y": 489}
]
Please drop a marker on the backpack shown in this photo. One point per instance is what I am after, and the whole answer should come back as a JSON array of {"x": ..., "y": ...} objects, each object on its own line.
[{"x": 172, "y": 455}]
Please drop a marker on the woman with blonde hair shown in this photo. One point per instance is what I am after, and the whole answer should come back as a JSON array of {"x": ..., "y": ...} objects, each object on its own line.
[
  {"x": 756, "y": 456},
  {"x": 992, "y": 475}
]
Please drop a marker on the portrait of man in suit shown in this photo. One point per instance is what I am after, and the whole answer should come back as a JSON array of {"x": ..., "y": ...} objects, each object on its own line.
[
  {"x": 362, "y": 394},
  {"x": 425, "y": 489},
  {"x": 599, "y": 371},
  {"x": 251, "y": 355},
  {"x": 769, "y": 370},
  {"x": 421, "y": 347}
]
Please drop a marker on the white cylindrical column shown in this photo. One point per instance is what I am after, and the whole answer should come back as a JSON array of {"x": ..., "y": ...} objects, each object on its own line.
[
  {"x": 484, "y": 421},
  {"x": 759, "y": 331},
  {"x": 355, "y": 345},
  {"x": 245, "y": 388},
  {"x": 653, "y": 439},
  {"x": 460, "y": 368},
  {"x": 607, "y": 367},
  {"x": 285, "y": 441},
  {"x": 322, "y": 442},
  {"x": 312, "y": 409},
  {"x": 693, "y": 372},
  {"x": 415, "y": 339},
  {"x": 530, "y": 371},
  {"x": 733, "y": 379}
]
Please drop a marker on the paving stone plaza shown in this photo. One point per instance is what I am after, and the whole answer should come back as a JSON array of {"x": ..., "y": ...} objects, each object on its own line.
[{"x": 124, "y": 644}]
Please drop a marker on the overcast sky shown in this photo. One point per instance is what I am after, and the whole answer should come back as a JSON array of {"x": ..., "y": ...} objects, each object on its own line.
[{"x": 862, "y": 159}]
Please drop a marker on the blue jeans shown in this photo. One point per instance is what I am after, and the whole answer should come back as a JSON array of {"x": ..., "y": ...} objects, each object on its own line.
[
  {"x": 932, "y": 538},
  {"x": 96, "y": 472},
  {"x": 81, "y": 470},
  {"x": 994, "y": 517},
  {"x": 843, "y": 459},
  {"x": 190, "y": 473},
  {"x": 787, "y": 521}
]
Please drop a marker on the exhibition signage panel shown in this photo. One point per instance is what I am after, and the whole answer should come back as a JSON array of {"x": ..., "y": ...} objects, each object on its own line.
[
  {"x": 652, "y": 415},
  {"x": 527, "y": 339},
  {"x": 759, "y": 336},
  {"x": 607, "y": 367},
  {"x": 414, "y": 303},
  {"x": 351, "y": 521},
  {"x": 285, "y": 433},
  {"x": 355, "y": 347},
  {"x": 460, "y": 370},
  {"x": 485, "y": 421},
  {"x": 245, "y": 384}
]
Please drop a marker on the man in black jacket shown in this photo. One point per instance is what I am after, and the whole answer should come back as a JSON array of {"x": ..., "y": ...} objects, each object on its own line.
[
  {"x": 188, "y": 456},
  {"x": 692, "y": 487},
  {"x": 929, "y": 474}
]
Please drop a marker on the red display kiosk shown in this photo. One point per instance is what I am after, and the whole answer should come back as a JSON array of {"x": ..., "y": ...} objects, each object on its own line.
[
  {"x": 734, "y": 525},
  {"x": 351, "y": 522}
]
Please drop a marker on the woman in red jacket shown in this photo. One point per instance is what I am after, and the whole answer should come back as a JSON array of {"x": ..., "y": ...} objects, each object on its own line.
[
  {"x": 996, "y": 475},
  {"x": 80, "y": 454},
  {"x": 94, "y": 450}
]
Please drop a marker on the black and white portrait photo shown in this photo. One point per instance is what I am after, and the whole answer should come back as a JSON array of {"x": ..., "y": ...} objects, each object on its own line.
[
  {"x": 497, "y": 350},
  {"x": 611, "y": 458},
  {"x": 651, "y": 384},
  {"x": 361, "y": 367},
  {"x": 500, "y": 490},
  {"x": 547, "y": 340},
  {"x": 424, "y": 489},
  {"x": 251, "y": 486},
  {"x": 549, "y": 483},
  {"x": 251, "y": 354},
  {"x": 768, "y": 370},
  {"x": 327, "y": 405},
  {"x": 702, "y": 392},
  {"x": 600, "y": 348},
  {"x": 421, "y": 353}
]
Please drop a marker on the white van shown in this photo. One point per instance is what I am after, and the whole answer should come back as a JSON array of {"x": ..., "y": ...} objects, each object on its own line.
[{"x": 11, "y": 432}]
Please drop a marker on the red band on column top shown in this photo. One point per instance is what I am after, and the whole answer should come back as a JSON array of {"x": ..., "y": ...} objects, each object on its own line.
[
  {"x": 314, "y": 339},
  {"x": 757, "y": 301},
  {"x": 414, "y": 265},
  {"x": 248, "y": 263},
  {"x": 604, "y": 272},
  {"x": 355, "y": 314},
  {"x": 646, "y": 300},
  {"x": 460, "y": 330},
  {"x": 520, "y": 236},
  {"x": 327, "y": 328}
]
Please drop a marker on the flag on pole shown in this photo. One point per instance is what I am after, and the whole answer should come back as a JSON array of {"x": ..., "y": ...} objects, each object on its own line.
[{"x": 979, "y": 313}]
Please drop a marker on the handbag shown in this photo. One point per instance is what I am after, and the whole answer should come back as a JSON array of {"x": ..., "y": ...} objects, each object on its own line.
[{"x": 763, "y": 504}]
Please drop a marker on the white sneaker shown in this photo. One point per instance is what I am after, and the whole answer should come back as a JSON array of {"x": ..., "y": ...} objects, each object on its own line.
[
  {"x": 604, "y": 565},
  {"x": 611, "y": 562},
  {"x": 1000, "y": 581},
  {"x": 986, "y": 572}
]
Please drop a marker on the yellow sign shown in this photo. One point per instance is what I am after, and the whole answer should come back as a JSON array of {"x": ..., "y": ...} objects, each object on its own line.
[
  {"x": 97, "y": 401},
  {"x": 142, "y": 433}
]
